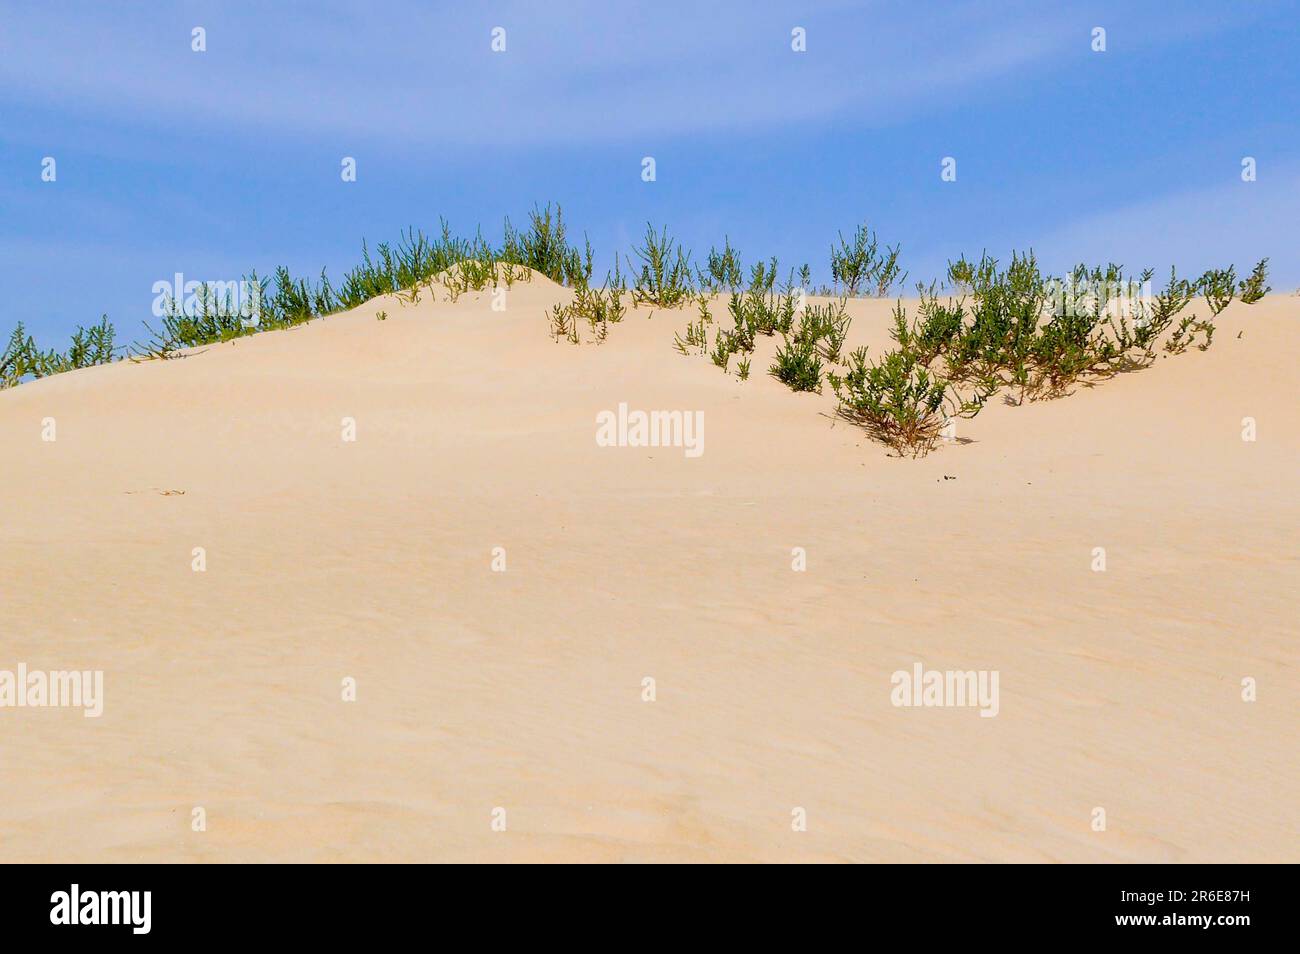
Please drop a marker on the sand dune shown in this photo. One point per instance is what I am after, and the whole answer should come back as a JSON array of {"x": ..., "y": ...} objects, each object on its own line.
[{"x": 522, "y": 689}]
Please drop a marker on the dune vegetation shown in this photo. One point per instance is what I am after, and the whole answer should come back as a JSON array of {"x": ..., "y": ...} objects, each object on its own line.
[{"x": 985, "y": 329}]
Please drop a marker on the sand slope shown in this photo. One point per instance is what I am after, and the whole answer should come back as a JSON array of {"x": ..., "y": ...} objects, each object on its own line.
[{"x": 476, "y": 689}]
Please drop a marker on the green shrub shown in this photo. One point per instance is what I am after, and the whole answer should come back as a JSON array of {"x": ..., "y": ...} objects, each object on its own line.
[
  {"x": 413, "y": 261},
  {"x": 762, "y": 309},
  {"x": 860, "y": 266},
  {"x": 723, "y": 349},
  {"x": 933, "y": 331},
  {"x": 961, "y": 274},
  {"x": 697, "y": 337},
  {"x": 826, "y": 327},
  {"x": 798, "y": 365},
  {"x": 595, "y": 307},
  {"x": 664, "y": 278},
  {"x": 1176, "y": 296},
  {"x": 544, "y": 248},
  {"x": 742, "y": 335},
  {"x": 899, "y": 401},
  {"x": 468, "y": 263},
  {"x": 1218, "y": 285},
  {"x": 90, "y": 346},
  {"x": 482, "y": 271},
  {"x": 564, "y": 323},
  {"x": 888, "y": 272},
  {"x": 1098, "y": 325},
  {"x": 722, "y": 270},
  {"x": 215, "y": 320},
  {"x": 1254, "y": 288},
  {"x": 18, "y": 360}
]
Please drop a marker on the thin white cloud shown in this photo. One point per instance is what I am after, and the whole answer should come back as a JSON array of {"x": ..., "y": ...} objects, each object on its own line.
[
  {"x": 579, "y": 72},
  {"x": 1233, "y": 223}
]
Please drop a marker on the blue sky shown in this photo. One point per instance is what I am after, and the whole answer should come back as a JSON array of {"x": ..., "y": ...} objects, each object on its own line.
[{"x": 215, "y": 163}]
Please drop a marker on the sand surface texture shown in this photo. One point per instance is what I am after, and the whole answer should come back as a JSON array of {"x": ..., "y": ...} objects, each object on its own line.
[{"x": 523, "y": 690}]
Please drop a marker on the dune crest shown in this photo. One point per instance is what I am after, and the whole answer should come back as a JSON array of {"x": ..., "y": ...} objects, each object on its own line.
[{"x": 420, "y": 508}]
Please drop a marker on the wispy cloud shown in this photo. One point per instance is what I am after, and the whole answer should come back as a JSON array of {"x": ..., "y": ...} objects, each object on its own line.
[
  {"x": 1238, "y": 222},
  {"x": 414, "y": 74}
]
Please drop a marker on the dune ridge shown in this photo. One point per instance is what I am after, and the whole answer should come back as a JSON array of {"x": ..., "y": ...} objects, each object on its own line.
[{"x": 372, "y": 559}]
